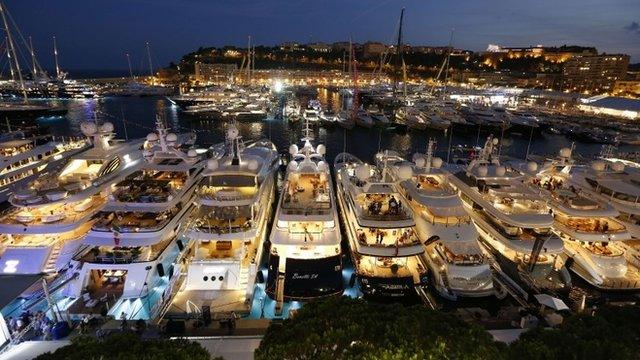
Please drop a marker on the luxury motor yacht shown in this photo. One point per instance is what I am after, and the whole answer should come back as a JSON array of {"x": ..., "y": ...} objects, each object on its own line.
[
  {"x": 132, "y": 246},
  {"x": 23, "y": 159},
  {"x": 44, "y": 227},
  {"x": 610, "y": 180},
  {"x": 514, "y": 222},
  {"x": 458, "y": 266},
  {"x": 229, "y": 223},
  {"x": 305, "y": 258},
  {"x": 594, "y": 240},
  {"x": 385, "y": 248}
]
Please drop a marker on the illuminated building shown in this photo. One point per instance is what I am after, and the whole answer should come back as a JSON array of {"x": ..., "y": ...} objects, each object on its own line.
[{"x": 594, "y": 74}]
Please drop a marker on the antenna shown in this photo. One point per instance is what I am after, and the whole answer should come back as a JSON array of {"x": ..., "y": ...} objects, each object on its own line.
[{"x": 55, "y": 56}]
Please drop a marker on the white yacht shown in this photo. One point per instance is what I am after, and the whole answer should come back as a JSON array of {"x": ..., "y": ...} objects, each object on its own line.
[
  {"x": 229, "y": 223},
  {"x": 44, "y": 227},
  {"x": 305, "y": 258},
  {"x": 23, "y": 159},
  {"x": 411, "y": 117},
  {"x": 458, "y": 266},
  {"x": 597, "y": 244},
  {"x": 514, "y": 223},
  {"x": 132, "y": 246},
  {"x": 385, "y": 248}
]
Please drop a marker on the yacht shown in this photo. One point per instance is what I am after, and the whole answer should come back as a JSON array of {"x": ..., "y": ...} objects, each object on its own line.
[
  {"x": 458, "y": 265},
  {"x": 362, "y": 118},
  {"x": 128, "y": 256},
  {"x": 411, "y": 117},
  {"x": 514, "y": 222},
  {"x": 229, "y": 223},
  {"x": 44, "y": 227},
  {"x": 385, "y": 248},
  {"x": 23, "y": 159},
  {"x": 597, "y": 244},
  {"x": 305, "y": 258}
]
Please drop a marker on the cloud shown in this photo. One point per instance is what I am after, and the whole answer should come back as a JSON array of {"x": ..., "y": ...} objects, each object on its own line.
[{"x": 634, "y": 27}]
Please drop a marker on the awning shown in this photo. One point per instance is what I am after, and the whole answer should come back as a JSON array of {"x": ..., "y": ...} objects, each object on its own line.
[
  {"x": 14, "y": 285},
  {"x": 620, "y": 186}
]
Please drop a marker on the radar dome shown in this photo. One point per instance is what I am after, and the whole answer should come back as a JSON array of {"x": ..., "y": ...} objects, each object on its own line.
[
  {"x": 321, "y": 149},
  {"x": 532, "y": 166},
  {"x": 192, "y": 153},
  {"x": 483, "y": 170},
  {"x": 107, "y": 127},
  {"x": 565, "y": 152},
  {"x": 212, "y": 164},
  {"x": 88, "y": 128},
  {"x": 436, "y": 163},
  {"x": 293, "y": 165},
  {"x": 253, "y": 165},
  {"x": 598, "y": 165},
  {"x": 293, "y": 149},
  {"x": 232, "y": 133},
  {"x": 152, "y": 137},
  {"x": 617, "y": 167},
  {"x": 501, "y": 170},
  {"x": 362, "y": 172},
  {"x": 322, "y": 166},
  {"x": 405, "y": 172},
  {"x": 171, "y": 137},
  {"x": 420, "y": 162},
  {"x": 495, "y": 141}
]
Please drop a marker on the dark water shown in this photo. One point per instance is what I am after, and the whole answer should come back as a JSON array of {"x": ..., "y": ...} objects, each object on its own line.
[{"x": 140, "y": 114}]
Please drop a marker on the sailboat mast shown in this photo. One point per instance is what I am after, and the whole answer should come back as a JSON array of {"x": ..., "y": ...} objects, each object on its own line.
[
  {"x": 55, "y": 56},
  {"x": 249, "y": 61},
  {"x": 398, "y": 52},
  {"x": 149, "y": 56},
  {"x": 33, "y": 58},
  {"x": 450, "y": 50},
  {"x": 13, "y": 50},
  {"x": 13, "y": 74},
  {"x": 130, "y": 70}
]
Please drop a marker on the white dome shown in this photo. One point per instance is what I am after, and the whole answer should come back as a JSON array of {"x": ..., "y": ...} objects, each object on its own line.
[
  {"x": 192, "y": 153},
  {"x": 322, "y": 166},
  {"x": 152, "y": 137},
  {"x": 293, "y": 165},
  {"x": 436, "y": 162},
  {"x": 171, "y": 137},
  {"x": 405, "y": 172},
  {"x": 501, "y": 170},
  {"x": 253, "y": 165},
  {"x": 321, "y": 149},
  {"x": 598, "y": 165},
  {"x": 293, "y": 149},
  {"x": 532, "y": 166},
  {"x": 88, "y": 128},
  {"x": 483, "y": 170},
  {"x": 565, "y": 152},
  {"x": 212, "y": 164},
  {"x": 107, "y": 127},
  {"x": 362, "y": 172},
  {"x": 232, "y": 132},
  {"x": 495, "y": 141},
  {"x": 420, "y": 162},
  {"x": 617, "y": 167}
]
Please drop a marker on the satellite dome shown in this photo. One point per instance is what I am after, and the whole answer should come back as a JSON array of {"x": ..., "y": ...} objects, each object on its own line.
[
  {"x": 617, "y": 167},
  {"x": 436, "y": 163},
  {"x": 565, "y": 152},
  {"x": 88, "y": 128},
  {"x": 598, "y": 165},
  {"x": 107, "y": 127},
  {"x": 293, "y": 149},
  {"x": 171, "y": 137},
  {"x": 405, "y": 172},
  {"x": 253, "y": 165},
  {"x": 501, "y": 170},
  {"x": 420, "y": 162},
  {"x": 483, "y": 170},
  {"x": 321, "y": 149},
  {"x": 192, "y": 153},
  {"x": 152, "y": 137},
  {"x": 232, "y": 132},
  {"x": 495, "y": 141},
  {"x": 322, "y": 166},
  {"x": 532, "y": 166},
  {"x": 362, "y": 172},
  {"x": 212, "y": 164}
]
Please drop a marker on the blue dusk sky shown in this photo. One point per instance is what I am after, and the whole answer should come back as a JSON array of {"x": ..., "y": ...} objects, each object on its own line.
[{"x": 95, "y": 34}]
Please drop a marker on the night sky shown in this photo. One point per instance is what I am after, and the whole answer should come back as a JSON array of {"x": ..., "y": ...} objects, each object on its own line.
[{"x": 95, "y": 34}]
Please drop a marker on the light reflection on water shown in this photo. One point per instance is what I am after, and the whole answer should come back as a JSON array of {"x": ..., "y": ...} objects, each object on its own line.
[{"x": 140, "y": 118}]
